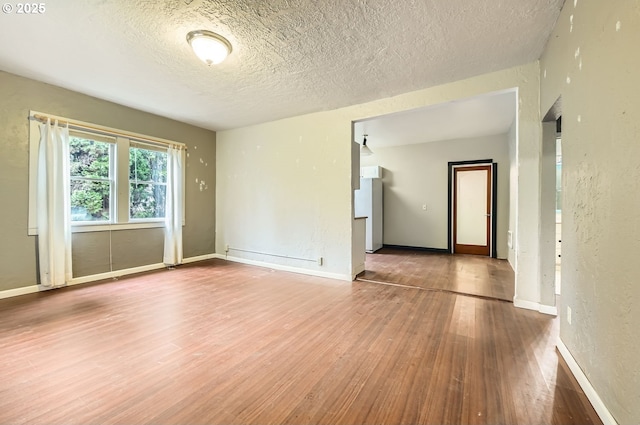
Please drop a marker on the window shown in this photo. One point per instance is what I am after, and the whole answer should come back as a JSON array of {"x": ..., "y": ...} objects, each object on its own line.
[
  {"x": 91, "y": 175},
  {"x": 118, "y": 180},
  {"x": 94, "y": 181},
  {"x": 147, "y": 182}
]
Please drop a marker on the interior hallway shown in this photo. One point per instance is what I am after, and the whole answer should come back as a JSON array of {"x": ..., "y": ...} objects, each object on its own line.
[{"x": 217, "y": 342}]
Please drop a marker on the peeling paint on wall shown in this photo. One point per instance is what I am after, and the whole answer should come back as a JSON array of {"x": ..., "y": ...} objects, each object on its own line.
[{"x": 571, "y": 23}]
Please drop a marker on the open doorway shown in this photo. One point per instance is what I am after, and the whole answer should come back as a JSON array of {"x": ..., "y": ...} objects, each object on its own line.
[
  {"x": 551, "y": 206},
  {"x": 558, "y": 275},
  {"x": 413, "y": 150}
]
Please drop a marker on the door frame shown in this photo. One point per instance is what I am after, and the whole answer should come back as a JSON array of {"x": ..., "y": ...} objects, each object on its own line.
[{"x": 493, "y": 252}]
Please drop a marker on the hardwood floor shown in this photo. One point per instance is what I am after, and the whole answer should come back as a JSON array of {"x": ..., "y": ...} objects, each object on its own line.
[
  {"x": 222, "y": 343},
  {"x": 464, "y": 274}
]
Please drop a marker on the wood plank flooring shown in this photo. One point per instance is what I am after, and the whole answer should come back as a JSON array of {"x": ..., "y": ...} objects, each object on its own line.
[
  {"x": 222, "y": 343},
  {"x": 465, "y": 274}
]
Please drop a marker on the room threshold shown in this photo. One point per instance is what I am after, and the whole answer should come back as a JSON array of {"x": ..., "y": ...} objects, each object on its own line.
[{"x": 449, "y": 291}]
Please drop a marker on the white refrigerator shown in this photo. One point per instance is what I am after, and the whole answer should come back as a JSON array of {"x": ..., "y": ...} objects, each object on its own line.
[{"x": 368, "y": 203}]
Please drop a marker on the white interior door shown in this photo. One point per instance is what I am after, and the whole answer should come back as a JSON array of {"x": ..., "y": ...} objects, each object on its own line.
[{"x": 472, "y": 210}]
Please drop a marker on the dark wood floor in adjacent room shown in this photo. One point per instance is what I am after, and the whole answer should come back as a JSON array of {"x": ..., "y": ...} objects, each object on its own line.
[
  {"x": 221, "y": 343},
  {"x": 465, "y": 274}
]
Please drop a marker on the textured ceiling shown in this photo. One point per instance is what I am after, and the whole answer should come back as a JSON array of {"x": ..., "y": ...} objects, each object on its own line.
[
  {"x": 290, "y": 56},
  {"x": 486, "y": 115}
]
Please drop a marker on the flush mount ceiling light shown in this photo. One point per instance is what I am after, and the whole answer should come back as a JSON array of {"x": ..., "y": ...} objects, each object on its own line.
[
  {"x": 210, "y": 47},
  {"x": 364, "y": 149}
]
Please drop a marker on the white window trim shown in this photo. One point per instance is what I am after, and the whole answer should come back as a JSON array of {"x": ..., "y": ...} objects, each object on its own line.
[{"x": 122, "y": 137}]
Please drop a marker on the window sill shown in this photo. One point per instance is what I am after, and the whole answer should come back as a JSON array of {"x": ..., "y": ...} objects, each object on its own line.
[{"x": 85, "y": 228}]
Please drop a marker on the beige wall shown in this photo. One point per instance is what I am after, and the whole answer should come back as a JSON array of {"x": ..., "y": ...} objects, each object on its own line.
[
  {"x": 130, "y": 248},
  {"x": 284, "y": 189},
  {"x": 548, "y": 214},
  {"x": 417, "y": 174},
  {"x": 512, "y": 138},
  {"x": 592, "y": 61},
  {"x": 92, "y": 255}
]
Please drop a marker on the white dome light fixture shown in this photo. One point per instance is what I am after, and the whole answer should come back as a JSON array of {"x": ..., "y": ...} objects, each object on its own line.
[{"x": 210, "y": 47}]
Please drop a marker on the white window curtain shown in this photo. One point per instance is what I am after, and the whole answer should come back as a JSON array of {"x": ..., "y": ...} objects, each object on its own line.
[
  {"x": 53, "y": 200},
  {"x": 173, "y": 208}
]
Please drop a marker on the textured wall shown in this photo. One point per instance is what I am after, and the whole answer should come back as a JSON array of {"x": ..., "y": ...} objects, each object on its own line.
[
  {"x": 592, "y": 61},
  {"x": 418, "y": 174},
  {"x": 17, "y": 96},
  {"x": 284, "y": 188}
]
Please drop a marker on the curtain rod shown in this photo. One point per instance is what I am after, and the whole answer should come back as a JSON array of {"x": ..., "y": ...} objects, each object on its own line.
[{"x": 103, "y": 130}]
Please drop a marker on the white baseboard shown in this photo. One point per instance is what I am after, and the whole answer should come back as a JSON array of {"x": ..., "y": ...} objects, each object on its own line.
[
  {"x": 123, "y": 272},
  {"x": 551, "y": 310},
  {"x": 118, "y": 273},
  {"x": 285, "y": 268},
  {"x": 530, "y": 305},
  {"x": 94, "y": 277},
  {"x": 597, "y": 403},
  {"x": 18, "y": 291},
  {"x": 357, "y": 270},
  {"x": 115, "y": 273},
  {"x": 198, "y": 258}
]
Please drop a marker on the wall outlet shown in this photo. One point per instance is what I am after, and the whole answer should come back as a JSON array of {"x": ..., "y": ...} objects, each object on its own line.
[
  {"x": 568, "y": 314},
  {"x": 320, "y": 261}
]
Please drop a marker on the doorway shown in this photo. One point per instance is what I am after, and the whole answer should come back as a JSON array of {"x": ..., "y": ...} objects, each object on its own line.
[
  {"x": 558, "y": 226},
  {"x": 472, "y": 201},
  {"x": 550, "y": 207}
]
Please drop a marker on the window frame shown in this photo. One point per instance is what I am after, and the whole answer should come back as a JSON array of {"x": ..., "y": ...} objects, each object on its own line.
[
  {"x": 119, "y": 217},
  {"x": 111, "y": 141},
  {"x": 146, "y": 146}
]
